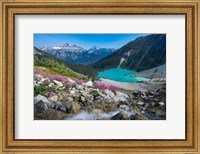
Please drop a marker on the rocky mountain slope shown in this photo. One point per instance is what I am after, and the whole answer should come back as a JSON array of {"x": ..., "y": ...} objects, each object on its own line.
[
  {"x": 43, "y": 59},
  {"x": 60, "y": 97},
  {"x": 78, "y": 55},
  {"x": 141, "y": 54},
  {"x": 156, "y": 72}
]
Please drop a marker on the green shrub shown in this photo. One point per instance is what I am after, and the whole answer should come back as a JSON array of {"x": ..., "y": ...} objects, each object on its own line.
[{"x": 39, "y": 90}]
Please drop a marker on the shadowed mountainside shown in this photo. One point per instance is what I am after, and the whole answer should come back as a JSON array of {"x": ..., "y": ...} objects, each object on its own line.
[{"x": 141, "y": 54}]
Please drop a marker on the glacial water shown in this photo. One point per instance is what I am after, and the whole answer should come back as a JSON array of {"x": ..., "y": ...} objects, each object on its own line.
[
  {"x": 96, "y": 114},
  {"x": 121, "y": 75}
]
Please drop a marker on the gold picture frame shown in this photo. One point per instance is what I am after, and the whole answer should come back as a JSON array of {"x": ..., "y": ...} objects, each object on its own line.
[{"x": 10, "y": 8}]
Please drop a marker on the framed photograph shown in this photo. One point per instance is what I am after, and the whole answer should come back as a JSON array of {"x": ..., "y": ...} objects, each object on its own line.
[{"x": 99, "y": 76}]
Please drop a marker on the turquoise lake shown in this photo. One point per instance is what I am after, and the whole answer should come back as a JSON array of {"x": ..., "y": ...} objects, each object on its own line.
[{"x": 122, "y": 75}]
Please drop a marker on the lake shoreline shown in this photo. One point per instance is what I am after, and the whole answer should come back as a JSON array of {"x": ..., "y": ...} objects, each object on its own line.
[{"x": 136, "y": 86}]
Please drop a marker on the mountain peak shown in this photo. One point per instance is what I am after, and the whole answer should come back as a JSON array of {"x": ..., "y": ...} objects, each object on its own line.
[
  {"x": 94, "y": 48},
  {"x": 66, "y": 45}
]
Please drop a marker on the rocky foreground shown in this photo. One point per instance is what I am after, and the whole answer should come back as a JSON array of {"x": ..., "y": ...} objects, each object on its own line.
[{"x": 58, "y": 98}]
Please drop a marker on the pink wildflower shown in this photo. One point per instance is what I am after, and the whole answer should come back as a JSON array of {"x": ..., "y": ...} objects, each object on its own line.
[
  {"x": 79, "y": 81},
  {"x": 106, "y": 86},
  {"x": 49, "y": 94}
]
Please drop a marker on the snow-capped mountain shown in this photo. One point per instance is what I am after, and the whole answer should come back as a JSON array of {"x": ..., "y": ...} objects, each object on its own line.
[
  {"x": 78, "y": 55},
  {"x": 65, "y": 47}
]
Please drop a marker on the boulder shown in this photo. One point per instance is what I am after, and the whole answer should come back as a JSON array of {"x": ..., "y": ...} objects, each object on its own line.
[
  {"x": 84, "y": 93},
  {"x": 122, "y": 99},
  {"x": 120, "y": 94},
  {"x": 75, "y": 107},
  {"x": 61, "y": 97},
  {"x": 127, "y": 113},
  {"x": 109, "y": 93},
  {"x": 140, "y": 103},
  {"x": 58, "y": 83},
  {"x": 57, "y": 106},
  {"x": 72, "y": 92},
  {"x": 53, "y": 114},
  {"x": 71, "y": 107},
  {"x": 53, "y": 98},
  {"x": 62, "y": 108},
  {"x": 108, "y": 99},
  {"x": 39, "y": 109},
  {"x": 89, "y": 84},
  {"x": 44, "y": 99},
  {"x": 125, "y": 107},
  {"x": 161, "y": 103},
  {"x": 79, "y": 87},
  {"x": 82, "y": 99},
  {"x": 118, "y": 116}
]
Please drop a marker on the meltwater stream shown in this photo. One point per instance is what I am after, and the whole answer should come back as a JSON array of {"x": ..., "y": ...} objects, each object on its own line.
[
  {"x": 94, "y": 115},
  {"x": 97, "y": 114}
]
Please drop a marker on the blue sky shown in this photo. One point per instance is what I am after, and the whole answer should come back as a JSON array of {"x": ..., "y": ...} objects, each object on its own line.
[{"x": 84, "y": 40}]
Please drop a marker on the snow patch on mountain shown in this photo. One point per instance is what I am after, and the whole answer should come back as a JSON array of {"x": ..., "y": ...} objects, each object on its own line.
[
  {"x": 78, "y": 55},
  {"x": 57, "y": 48}
]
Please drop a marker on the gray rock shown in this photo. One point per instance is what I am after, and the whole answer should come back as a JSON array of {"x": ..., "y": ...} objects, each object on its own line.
[
  {"x": 57, "y": 106},
  {"x": 118, "y": 116},
  {"x": 82, "y": 99},
  {"x": 109, "y": 93},
  {"x": 122, "y": 99},
  {"x": 140, "y": 103},
  {"x": 71, "y": 107},
  {"x": 120, "y": 94},
  {"x": 160, "y": 113},
  {"x": 69, "y": 99},
  {"x": 161, "y": 103},
  {"x": 39, "y": 108},
  {"x": 79, "y": 87},
  {"x": 44, "y": 99},
  {"x": 52, "y": 114},
  {"x": 107, "y": 99},
  {"x": 125, "y": 107},
  {"x": 155, "y": 99},
  {"x": 84, "y": 93},
  {"x": 127, "y": 113},
  {"x": 62, "y": 108}
]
